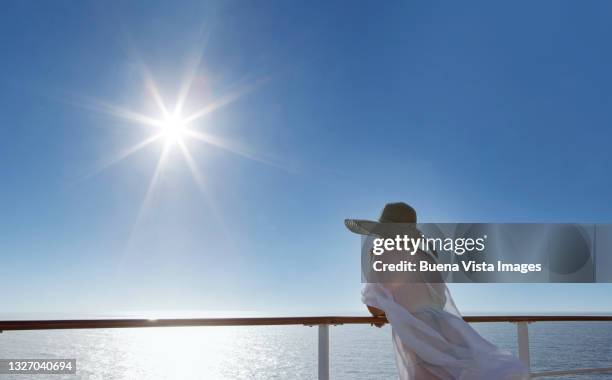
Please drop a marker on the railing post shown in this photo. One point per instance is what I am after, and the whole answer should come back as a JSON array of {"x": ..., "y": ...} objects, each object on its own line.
[
  {"x": 523, "y": 344},
  {"x": 323, "y": 352}
]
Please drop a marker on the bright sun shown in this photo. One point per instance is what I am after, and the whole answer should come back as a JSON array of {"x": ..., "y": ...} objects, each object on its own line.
[{"x": 173, "y": 129}]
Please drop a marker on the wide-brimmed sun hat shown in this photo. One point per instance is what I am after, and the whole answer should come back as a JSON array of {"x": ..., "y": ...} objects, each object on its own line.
[{"x": 392, "y": 213}]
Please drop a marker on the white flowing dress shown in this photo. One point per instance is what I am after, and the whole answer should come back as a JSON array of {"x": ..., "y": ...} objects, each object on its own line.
[{"x": 431, "y": 339}]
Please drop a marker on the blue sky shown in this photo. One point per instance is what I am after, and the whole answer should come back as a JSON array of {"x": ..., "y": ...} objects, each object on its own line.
[{"x": 469, "y": 112}]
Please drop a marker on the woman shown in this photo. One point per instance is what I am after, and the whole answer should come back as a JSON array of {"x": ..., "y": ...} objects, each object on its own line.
[{"x": 431, "y": 339}]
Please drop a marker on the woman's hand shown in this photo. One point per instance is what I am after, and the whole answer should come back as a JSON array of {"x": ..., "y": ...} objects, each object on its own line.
[{"x": 376, "y": 312}]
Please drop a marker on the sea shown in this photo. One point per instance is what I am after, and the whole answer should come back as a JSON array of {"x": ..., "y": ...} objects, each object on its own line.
[{"x": 281, "y": 352}]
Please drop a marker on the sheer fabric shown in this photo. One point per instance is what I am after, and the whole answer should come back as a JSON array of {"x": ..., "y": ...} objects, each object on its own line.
[{"x": 431, "y": 339}]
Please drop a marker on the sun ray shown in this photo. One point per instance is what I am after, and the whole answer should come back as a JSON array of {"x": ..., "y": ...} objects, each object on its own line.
[
  {"x": 197, "y": 176},
  {"x": 147, "y": 77},
  {"x": 120, "y": 112},
  {"x": 192, "y": 70},
  {"x": 154, "y": 180},
  {"x": 122, "y": 156},
  {"x": 144, "y": 206},
  {"x": 154, "y": 91},
  {"x": 224, "y": 100},
  {"x": 230, "y": 147},
  {"x": 192, "y": 165}
]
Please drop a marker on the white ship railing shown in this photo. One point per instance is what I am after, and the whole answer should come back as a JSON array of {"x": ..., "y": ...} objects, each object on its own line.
[{"x": 323, "y": 323}]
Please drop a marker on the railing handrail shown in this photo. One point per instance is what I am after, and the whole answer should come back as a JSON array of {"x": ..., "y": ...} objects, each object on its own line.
[
  {"x": 323, "y": 324},
  {"x": 261, "y": 321}
]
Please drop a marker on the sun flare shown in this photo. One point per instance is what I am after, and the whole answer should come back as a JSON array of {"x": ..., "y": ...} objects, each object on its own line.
[{"x": 175, "y": 129}]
